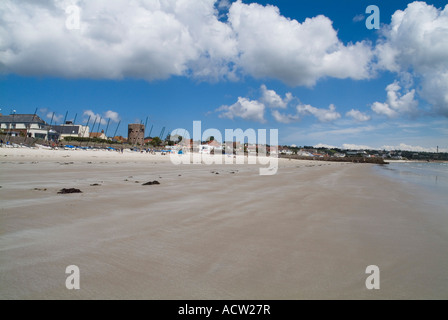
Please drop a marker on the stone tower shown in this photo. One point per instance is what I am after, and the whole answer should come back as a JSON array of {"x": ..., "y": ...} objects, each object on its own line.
[{"x": 136, "y": 134}]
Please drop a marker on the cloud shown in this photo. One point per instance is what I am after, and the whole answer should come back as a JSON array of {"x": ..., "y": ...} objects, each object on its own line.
[
  {"x": 384, "y": 109},
  {"x": 224, "y": 4},
  {"x": 254, "y": 109},
  {"x": 94, "y": 117},
  {"x": 323, "y": 115},
  {"x": 112, "y": 115},
  {"x": 244, "y": 108},
  {"x": 159, "y": 39},
  {"x": 405, "y": 147},
  {"x": 358, "y": 115},
  {"x": 57, "y": 118},
  {"x": 396, "y": 103},
  {"x": 348, "y": 146},
  {"x": 416, "y": 41},
  {"x": 359, "y": 18},
  {"x": 401, "y": 146},
  {"x": 143, "y": 39},
  {"x": 323, "y": 145},
  {"x": 273, "y": 100},
  {"x": 274, "y": 46},
  {"x": 435, "y": 91},
  {"x": 284, "y": 118}
]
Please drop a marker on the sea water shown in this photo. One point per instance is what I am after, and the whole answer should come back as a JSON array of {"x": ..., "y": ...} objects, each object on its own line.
[{"x": 432, "y": 176}]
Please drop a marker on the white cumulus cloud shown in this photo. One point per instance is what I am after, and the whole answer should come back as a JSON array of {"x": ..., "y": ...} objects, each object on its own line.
[
  {"x": 112, "y": 115},
  {"x": 406, "y": 147},
  {"x": 117, "y": 39},
  {"x": 96, "y": 117},
  {"x": 396, "y": 102},
  {"x": 323, "y": 145},
  {"x": 244, "y": 108},
  {"x": 323, "y": 115},
  {"x": 416, "y": 41},
  {"x": 284, "y": 118},
  {"x": 57, "y": 118},
  {"x": 160, "y": 39},
  {"x": 358, "y": 115},
  {"x": 349, "y": 146},
  {"x": 273, "y": 100},
  {"x": 272, "y": 45},
  {"x": 255, "y": 109}
]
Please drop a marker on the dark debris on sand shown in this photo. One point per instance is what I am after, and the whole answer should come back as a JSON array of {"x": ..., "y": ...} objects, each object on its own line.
[
  {"x": 150, "y": 183},
  {"x": 68, "y": 191}
]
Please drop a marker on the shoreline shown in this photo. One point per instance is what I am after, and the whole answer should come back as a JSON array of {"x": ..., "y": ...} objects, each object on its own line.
[
  {"x": 417, "y": 161},
  {"x": 213, "y": 232}
]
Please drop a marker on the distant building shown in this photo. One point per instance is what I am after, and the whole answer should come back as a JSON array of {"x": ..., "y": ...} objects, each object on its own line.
[
  {"x": 188, "y": 143},
  {"x": 119, "y": 139},
  {"x": 136, "y": 134},
  {"x": 284, "y": 150},
  {"x": 273, "y": 150},
  {"x": 233, "y": 147},
  {"x": 304, "y": 153},
  {"x": 27, "y": 125},
  {"x": 339, "y": 155},
  {"x": 214, "y": 144},
  {"x": 211, "y": 146},
  {"x": 98, "y": 135},
  {"x": 252, "y": 148},
  {"x": 72, "y": 130}
]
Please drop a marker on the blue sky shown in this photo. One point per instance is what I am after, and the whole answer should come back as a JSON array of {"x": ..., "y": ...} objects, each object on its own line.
[{"x": 310, "y": 69}]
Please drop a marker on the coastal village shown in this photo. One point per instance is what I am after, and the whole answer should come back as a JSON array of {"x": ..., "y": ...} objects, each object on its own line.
[{"x": 30, "y": 130}]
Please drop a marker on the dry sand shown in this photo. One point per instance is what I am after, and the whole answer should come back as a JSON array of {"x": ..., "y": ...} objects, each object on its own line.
[{"x": 307, "y": 232}]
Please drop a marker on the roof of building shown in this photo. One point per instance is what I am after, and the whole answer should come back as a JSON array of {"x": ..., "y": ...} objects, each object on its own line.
[
  {"x": 96, "y": 134},
  {"x": 21, "y": 118},
  {"x": 66, "y": 129}
]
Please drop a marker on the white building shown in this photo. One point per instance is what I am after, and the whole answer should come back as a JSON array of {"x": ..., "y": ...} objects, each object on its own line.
[
  {"x": 27, "y": 125},
  {"x": 72, "y": 130}
]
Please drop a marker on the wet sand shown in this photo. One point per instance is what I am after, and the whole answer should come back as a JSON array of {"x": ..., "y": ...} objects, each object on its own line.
[{"x": 308, "y": 232}]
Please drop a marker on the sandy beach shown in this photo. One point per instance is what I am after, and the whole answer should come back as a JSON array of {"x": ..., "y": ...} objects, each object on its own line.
[{"x": 213, "y": 232}]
